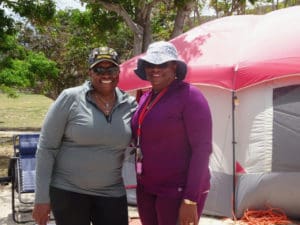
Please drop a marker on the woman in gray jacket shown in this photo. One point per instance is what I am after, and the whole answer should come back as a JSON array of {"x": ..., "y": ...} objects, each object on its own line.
[{"x": 81, "y": 150}]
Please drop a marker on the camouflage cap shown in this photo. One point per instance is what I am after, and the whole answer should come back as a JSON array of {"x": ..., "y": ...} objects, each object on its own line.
[{"x": 100, "y": 54}]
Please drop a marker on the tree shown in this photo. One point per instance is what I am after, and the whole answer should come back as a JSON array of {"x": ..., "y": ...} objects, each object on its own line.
[
  {"x": 36, "y": 11},
  {"x": 138, "y": 16},
  {"x": 21, "y": 68},
  {"x": 68, "y": 39},
  {"x": 237, "y": 7},
  {"x": 69, "y": 36}
]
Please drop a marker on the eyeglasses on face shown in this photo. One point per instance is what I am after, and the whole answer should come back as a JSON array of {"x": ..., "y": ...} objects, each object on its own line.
[
  {"x": 152, "y": 66},
  {"x": 112, "y": 71}
]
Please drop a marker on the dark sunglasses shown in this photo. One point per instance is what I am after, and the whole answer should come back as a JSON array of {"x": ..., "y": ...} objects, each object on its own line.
[
  {"x": 160, "y": 66},
  {"x": 103, "y": 71}
]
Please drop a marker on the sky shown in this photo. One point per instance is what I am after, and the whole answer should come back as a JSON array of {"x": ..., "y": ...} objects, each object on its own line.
[{"x": 68, "y": 4}]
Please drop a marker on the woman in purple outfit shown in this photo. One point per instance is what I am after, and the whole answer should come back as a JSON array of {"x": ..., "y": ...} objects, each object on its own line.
[{"x": 173, "y": 132}]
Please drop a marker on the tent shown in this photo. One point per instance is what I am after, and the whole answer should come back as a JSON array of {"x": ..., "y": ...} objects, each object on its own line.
[{"x": 248, "y": 67}]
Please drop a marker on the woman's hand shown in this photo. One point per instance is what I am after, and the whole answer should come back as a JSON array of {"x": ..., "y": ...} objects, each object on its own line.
[
  {"x": 41, "y": 213},
  {"x": 188, "y": 214}
]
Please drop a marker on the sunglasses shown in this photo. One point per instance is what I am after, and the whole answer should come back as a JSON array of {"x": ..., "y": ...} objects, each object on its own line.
[
  {"x": 160, "y": 66},
  {"x": 112, "y": 71}
]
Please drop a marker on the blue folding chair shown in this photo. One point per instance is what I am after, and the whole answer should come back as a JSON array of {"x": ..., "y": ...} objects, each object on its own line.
[{"x": 23, "y": 175}]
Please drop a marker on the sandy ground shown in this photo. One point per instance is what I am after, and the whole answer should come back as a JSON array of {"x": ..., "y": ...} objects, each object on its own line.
[{"x": 6, "y": 212}]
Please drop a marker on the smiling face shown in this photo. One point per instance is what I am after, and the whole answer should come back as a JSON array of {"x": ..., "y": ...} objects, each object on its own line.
[
  {"x": 160, "y": 76},
  {"x": 104, "y": 77}
]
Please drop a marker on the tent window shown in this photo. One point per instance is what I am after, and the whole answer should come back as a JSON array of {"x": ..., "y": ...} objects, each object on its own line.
[{"x": 286, "y": 129}]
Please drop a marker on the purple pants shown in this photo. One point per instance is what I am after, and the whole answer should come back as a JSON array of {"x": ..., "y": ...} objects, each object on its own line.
[{"x": 157, "y": 210}]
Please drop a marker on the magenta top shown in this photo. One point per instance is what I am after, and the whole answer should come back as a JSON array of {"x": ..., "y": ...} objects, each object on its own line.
[{"x": 176, "y": 142}]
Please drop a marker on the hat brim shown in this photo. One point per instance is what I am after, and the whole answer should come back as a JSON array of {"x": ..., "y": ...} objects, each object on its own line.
[
  {"x": 181, "y": 69},
  {"x": 102, "y": 60}
]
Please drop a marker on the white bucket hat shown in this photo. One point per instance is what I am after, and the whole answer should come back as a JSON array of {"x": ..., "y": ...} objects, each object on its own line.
[{"x": 159, "y": 53}]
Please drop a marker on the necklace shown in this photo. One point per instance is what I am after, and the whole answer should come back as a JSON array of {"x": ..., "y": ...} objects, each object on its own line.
[{"x": 108, "y": 105}]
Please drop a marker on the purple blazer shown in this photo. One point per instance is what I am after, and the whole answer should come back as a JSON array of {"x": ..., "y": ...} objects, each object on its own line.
[{"x": 176, "y": 142}]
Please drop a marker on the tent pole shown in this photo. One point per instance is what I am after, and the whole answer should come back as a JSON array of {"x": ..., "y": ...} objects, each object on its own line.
[{"x": 234, "y": 103}]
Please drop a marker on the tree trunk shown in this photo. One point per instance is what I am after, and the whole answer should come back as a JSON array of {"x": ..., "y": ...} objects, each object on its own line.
[
  {"x": 138, "y": 31},
  {"x": 182, "y": 13}
]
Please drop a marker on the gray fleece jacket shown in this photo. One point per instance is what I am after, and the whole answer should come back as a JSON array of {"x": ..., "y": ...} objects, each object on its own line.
[{"x": 81, "y": 150}]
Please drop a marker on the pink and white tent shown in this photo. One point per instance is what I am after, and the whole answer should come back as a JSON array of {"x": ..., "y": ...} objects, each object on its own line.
[
  {"x": 235, "y": 52},
  {"x": 248, "y": 67}
]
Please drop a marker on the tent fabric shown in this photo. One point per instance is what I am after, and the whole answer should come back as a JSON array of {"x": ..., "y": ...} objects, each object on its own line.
[
  {"x": 129, "y": 176},
  {"x": 271, "y": 174},
  {"x": 286, "y": 129}
]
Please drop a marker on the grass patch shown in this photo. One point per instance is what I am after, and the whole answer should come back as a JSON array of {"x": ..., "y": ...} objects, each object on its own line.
[{"x": 26, "y": 111}]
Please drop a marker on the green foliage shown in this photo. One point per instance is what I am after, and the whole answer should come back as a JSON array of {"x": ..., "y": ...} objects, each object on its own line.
[
  {"x": 35, "y": 10},
  {"x": 222, "y": 6},
  {"x": 26, "y": 72},
  {"x": 103, "y": 19},
  {"x": 68, "y": 39},
  {"x": 40, "y": 67},
  {"x": 162, "y": 22},
  {"x": 82, "y": 19},
  {"x": 16, "y": 75},
  {"x": 21, "y": 68},
  {"x": 6, "y": 25},
  {"x": 180, "y": 3},
  {"x": 8, "y": 42}
]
